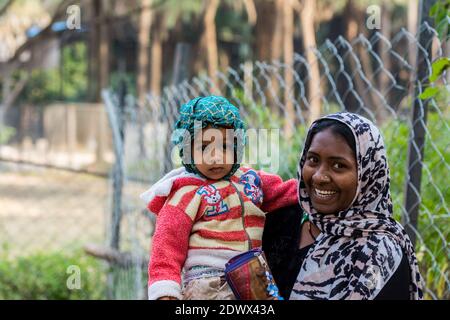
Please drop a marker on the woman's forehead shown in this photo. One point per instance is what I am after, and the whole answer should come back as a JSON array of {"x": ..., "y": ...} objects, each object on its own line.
[{"x": 327, "y": 141}]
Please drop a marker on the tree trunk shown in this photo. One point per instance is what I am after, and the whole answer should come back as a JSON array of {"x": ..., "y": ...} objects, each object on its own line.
[
  {"x": 5, "y": 7},
  {"x": 375, "y": 102},
  {"x": 288, "y": 55},
  {"x": 264, "y": 28},
  {"x": 224, "y": 60},
  {"x": 250, "y": 9},
  {"x": 145, "y": 23},
  {"x": 10, "y": 93},
  {"x": 383, "y": 79},
  {"x": 94, "y": 51},
  {"x": 269, "y": 45},
  {"x": 309, "y": 42},
  {"x": 104, "y": 45},
  {"x": 156, "y": 64},
  {"x": 351, "y": 103},
  {"x": 413, "y": 10},
  {"x": 210, "y": 40},
  {"x": 6, "y": 87},
  {"x": 277, "y": 44},
  {"x": 98, "y": 49},
  {"x": 277, "y": 34},
  {"x": 362, "y": 71}
]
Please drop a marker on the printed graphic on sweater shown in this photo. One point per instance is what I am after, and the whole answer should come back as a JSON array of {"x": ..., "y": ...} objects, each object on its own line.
[
  {"x": 252, "y": 186},
  {"x": 214, "y": 200}
]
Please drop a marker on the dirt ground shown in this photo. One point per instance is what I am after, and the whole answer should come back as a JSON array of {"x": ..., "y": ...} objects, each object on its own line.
[{"x": 43, "y": 209}]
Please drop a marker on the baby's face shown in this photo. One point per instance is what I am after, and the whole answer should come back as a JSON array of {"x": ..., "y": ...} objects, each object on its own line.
[{"x": 213, "y": 152}]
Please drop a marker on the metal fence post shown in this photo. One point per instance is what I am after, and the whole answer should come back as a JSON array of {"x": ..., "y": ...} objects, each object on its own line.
[
  {"x": 116, "y": 116},
  {"x": 418, "y": 123},
  {"x": 118, "y": 169}
]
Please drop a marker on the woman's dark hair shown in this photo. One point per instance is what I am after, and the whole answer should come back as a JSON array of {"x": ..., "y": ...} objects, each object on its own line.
[{"x": 336, "y": 127}]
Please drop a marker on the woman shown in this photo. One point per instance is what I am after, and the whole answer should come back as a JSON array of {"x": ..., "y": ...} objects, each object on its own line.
[{"x": 347, "y": 245}]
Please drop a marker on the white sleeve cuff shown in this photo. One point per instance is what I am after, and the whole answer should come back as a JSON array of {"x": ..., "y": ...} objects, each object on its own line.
[{"x": 163, "y": 288}]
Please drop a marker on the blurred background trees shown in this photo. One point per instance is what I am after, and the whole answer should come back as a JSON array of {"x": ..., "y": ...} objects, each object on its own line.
[{"x": 136, "y": 40}]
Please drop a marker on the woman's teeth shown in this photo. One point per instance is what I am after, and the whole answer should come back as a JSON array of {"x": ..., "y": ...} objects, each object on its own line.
[{"x": 324, "y": 193}]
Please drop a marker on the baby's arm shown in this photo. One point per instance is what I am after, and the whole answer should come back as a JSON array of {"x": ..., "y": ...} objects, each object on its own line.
[
  {"x": 170, "y": 244},
  {"x": 169, "y": 250},
  {"x": 276, "y": 193}
]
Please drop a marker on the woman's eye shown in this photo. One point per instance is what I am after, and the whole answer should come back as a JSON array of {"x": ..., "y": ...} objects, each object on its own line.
[
  {"x": 338, "y": 165},
  {"x": 312, "y": 159}
]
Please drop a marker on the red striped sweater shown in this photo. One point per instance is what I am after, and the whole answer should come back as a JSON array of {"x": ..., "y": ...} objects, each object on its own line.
[{"x": 206, "y": 222}]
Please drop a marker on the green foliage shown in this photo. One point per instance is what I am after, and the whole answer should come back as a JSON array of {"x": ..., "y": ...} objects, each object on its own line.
[
  {"x": 75, "y": 68},
  {"x": 173, "y": 10},
  {"x": 232, "y": 26},
  {"x": 42, "y": 86},
  {"x": 130, "y": 81},
  {"x": 66, "y": 84},
  {"x": 433, "y": 225},
  {"x": 44, "y": 276},
  {"x": 440, "y": 12},
  {"x": 6, "y": 133},
  {"x": 438, "y": 68},
  {"x": 429, "y": 92}
]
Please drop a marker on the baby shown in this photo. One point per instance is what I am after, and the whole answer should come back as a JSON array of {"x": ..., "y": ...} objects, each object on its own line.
[{"x": 212, "y": 208}]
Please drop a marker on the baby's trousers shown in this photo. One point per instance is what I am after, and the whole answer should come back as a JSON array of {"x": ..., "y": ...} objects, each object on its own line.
[{"x": 210, "y": 288}]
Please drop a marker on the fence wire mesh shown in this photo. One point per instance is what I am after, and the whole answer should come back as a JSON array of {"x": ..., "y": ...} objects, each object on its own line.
[{"x": 372, "y": 76}]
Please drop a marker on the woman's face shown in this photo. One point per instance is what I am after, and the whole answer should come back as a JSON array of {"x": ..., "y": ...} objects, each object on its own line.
[{"x": 330, "y": 172}]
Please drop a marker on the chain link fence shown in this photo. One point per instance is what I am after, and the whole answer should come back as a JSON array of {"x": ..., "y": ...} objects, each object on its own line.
[{"x": 374, "y": 76}]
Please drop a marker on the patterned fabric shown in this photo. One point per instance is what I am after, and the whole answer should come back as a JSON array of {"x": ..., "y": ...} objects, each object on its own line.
[
  {"x": 359, "y": 248},
  {"x": 215, "y": 201},
  {"x": 205, "y": 223},
  {"x": 252, "y": 186},
  {"x": 202, "y": 111}
]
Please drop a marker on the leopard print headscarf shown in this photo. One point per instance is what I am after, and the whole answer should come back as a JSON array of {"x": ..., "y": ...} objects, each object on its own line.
[{"x": 361, "y": 247}]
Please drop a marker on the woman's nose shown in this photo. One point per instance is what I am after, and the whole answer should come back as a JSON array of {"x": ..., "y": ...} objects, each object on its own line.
[{"x": 321, "y": 176}]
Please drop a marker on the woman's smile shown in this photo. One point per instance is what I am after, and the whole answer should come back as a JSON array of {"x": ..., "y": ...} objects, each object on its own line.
[{"x": 325, "y": 195}]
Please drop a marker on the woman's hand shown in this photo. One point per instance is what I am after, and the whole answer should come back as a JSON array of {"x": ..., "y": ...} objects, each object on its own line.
[{"x": 167, "y": 298}]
